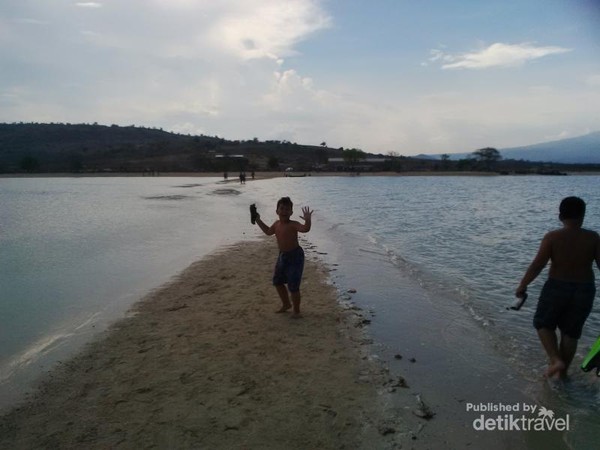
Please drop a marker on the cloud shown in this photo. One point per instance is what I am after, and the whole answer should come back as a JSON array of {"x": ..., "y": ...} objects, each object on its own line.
[
  {"x": 89, "y": 5},
  {"x": 496, "y": 55},
  {"x": 288, "y": 87},
  {"x": 268, "y": 29},
  {"x": 439, "y": 55},
  {"x": 239, "y": 29}
]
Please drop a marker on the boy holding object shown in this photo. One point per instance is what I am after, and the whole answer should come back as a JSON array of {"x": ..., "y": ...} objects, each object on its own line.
[
  {"x": 568, "y": 295},
  {"x": 290, "y": 263}
]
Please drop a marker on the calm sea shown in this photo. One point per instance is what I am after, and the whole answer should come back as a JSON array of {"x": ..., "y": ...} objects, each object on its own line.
[
  {"x": 434, "y": 260},
  {"x": 75, "y": 253}
]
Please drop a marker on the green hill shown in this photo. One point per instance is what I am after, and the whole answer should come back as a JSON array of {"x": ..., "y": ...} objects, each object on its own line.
[{"x": 94, "y": 148}]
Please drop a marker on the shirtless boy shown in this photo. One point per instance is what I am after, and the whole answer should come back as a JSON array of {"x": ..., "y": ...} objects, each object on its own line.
[
  {"x": 290, "y": 263},
  {"x": 568, "y": 294}
]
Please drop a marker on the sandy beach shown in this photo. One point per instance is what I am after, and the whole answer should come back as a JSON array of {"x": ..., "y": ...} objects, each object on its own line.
[{"x": 204, "y": 362}]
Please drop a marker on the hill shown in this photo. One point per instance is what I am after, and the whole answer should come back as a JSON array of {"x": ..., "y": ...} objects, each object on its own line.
[
  {"x": 93, "y": 148},
  {"x": 578, "y": 150},
  {"x": 34, "y": 147}
]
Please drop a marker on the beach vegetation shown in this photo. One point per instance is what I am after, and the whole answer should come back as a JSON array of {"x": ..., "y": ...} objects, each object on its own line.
[
  {"x": 30, "y": 164},
  {"x": 487, "y": 156},
  {"x": 321, "y": 156},
  {"x": 445, "y": 161},
  {"x": 353, "y": 155},
  {"x": 465, "y": 164}
]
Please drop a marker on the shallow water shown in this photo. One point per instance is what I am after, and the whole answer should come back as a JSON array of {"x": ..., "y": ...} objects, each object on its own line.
[
  {"x": 452, "y": 250},
  {"x": 434, "y": 259},
  {"x": 75, "y": 253}
]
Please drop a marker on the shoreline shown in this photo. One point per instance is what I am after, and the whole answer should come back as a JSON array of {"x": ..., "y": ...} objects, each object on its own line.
[
  {"x": 204, "y": 362},
  {"x": 268, "y": 175}
]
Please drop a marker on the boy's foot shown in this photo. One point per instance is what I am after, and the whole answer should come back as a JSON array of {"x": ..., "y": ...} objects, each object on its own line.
[
  {"x": 253, "y": 214},
  {"x": 296, "y": 315},
  {"x": 283, "y": 309},
  {"x": 556, "y": 367}
]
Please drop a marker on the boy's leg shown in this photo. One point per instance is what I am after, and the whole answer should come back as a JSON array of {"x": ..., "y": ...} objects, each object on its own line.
[
  {"x": 294, "y": 277},
  {"x": 550, "y": 342},
  {"x": 296, "y": 302},
  {"x": 567, "y": 349},
  {"x": 283, "y": 295},
  {"x": 572, "y": 320}
]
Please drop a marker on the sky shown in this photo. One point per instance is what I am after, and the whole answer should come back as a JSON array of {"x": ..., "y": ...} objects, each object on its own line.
[{"x": 401, "y": 76}]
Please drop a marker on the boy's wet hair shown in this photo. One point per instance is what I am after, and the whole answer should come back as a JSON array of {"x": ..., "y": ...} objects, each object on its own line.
[
  {"x": 285, "y": 201},
  {"x": 571, "y": 208}
]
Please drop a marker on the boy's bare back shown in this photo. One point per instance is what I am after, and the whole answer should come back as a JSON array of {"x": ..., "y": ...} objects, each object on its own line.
[{"x": 572, "y": 252}]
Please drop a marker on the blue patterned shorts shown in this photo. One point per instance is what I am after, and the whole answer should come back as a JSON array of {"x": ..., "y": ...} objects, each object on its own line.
[{"x": 289, "y": 268}]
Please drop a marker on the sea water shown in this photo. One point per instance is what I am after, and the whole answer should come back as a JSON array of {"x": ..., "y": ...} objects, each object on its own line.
[
  {"x": 454, "y": 249},
  {"x": 75, "y": 253}
]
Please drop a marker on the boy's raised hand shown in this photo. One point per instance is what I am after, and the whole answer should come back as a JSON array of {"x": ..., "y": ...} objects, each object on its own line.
[{"x": 306, "y": 214}]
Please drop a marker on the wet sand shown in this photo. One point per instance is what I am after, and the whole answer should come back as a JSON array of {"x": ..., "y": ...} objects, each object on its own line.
[{"x": 204, "y": 362}]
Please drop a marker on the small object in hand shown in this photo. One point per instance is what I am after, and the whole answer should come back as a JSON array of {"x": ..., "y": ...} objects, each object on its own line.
[
  {"x": 253, "y": 214},
  {"x": 519, "y": 302}
]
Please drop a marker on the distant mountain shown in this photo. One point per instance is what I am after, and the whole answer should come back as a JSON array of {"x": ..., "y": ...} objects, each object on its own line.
[
  {"x": 423, "y": 156},
  {"x": 578, "y": 150}
]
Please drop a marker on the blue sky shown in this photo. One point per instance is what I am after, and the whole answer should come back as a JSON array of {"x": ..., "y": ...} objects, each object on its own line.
[{"x": 399, "y": 76}]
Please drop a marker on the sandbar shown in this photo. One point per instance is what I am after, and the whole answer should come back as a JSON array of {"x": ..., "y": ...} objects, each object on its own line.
[{"x": 204, "y": 362}]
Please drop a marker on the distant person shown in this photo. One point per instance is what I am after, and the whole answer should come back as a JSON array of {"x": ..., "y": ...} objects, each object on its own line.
[
  {"x": 242, "y": 178},
  {"x": 225, "y": 176},
  {"x": 290, "y": 263},
  {"x": 252, "y": 174},
  {"x": 568, "y": 295}
]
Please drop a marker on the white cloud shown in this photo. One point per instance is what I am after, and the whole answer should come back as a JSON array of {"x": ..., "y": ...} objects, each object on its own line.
[
  {"x": 268, "y": 29},
  {"x": 89, "y": 5},
  {"x": 496, "y": 55},
  {"x": 288, "y": 88},
  {"x": 239, "y": 29},
  {"x": 439, "y": 55}
]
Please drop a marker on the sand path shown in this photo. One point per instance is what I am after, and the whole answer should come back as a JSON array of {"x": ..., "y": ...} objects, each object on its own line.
[{"x": 206, "y": 363}]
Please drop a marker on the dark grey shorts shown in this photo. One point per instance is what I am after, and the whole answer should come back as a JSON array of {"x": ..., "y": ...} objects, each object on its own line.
[
  {"x": 289, "y": 268},
  {"x": 565, "y": 305}
]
